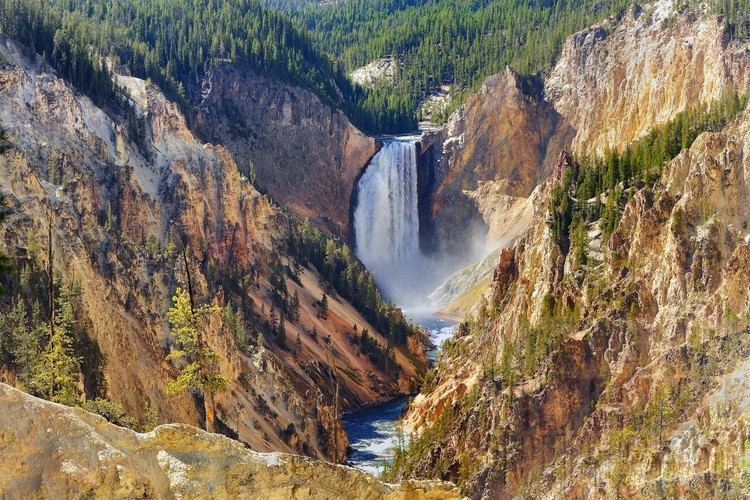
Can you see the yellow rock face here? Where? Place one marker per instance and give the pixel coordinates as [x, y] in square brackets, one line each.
[617, 80]
[53, 451]
[171, 186]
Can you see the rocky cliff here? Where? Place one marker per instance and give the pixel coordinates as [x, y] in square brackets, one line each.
[616, 80]
[599, 96]
[52, 451]
[486, 161]
[121, 196]
[625, 376]
[303, 153]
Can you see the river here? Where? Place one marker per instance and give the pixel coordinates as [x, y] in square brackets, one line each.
[372, 430]
[386, 227]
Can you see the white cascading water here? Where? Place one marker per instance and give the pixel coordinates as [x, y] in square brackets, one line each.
[386, 228]
[386, 219]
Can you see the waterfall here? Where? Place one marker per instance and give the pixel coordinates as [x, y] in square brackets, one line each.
[386, 219]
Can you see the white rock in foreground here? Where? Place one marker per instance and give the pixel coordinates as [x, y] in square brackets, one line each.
[53, 451]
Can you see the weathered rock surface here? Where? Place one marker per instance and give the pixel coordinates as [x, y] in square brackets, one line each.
[487, 160]
[369, 74]
[305, 154]
[611, 95]
[120, 202]
[637, 387]
[50, 451]
[646, 391]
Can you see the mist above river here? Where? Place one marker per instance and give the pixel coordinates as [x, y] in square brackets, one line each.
[386, 225]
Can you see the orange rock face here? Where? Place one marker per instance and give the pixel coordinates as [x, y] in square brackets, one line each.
[505, 136]
[303, 153]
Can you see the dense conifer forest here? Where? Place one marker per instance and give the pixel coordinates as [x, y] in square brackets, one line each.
[461, 42]
[314, 45]
[174, 43]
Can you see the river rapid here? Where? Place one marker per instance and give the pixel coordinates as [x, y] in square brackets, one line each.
[372, 430]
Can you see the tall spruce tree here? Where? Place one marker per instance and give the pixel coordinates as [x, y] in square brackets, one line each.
[198, 364]
[57, 375]
[4, 261]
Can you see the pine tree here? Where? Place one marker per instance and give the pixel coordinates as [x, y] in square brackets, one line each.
[297, 269]
[330, 261]
[8, 322]
[199, 371]
[579, 239]
[281, 331]
[4, 261]
[235, 324]
[294, 307]
[57, 374]
[26, 341]
[323, 307]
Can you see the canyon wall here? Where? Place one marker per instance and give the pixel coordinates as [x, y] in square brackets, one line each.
[625, 376]
[122, 201]
[486, 161]
[617, 80]
[305, 154]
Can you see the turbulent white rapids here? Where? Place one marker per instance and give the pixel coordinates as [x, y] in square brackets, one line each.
[386, 220]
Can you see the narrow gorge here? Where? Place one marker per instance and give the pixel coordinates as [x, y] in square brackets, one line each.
[401, 250]
[387, 240]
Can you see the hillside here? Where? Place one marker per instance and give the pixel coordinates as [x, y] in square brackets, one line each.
[180, 182]
[74, 35]
[121, 204]
[305, 154]
[612, 363]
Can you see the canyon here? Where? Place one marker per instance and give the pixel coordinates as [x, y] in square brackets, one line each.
[263, 122]
[120, 207]
[594, 364]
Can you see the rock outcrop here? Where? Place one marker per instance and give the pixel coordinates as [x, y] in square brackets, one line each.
[625, 376]
[615, 81]
[374, 72]
[646, 390]
[121, 199]
[303, 153]
[486, 161]
[49, 451]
